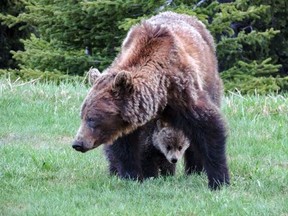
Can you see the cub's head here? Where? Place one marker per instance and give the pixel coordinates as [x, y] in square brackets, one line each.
[170, 141]
[101, 119]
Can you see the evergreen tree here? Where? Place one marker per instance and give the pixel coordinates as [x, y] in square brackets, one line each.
[245, 42]
[277, 19]
[74, 35]
[11, 33]
[70, 36]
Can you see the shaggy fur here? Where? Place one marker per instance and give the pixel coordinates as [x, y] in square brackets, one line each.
[167, 68]
[161, 147]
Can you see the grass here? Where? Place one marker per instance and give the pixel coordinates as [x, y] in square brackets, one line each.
[40, 174]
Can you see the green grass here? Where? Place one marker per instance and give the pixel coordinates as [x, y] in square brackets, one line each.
[40, 174]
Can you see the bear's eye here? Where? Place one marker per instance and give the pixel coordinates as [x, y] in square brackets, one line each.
[91, 123]
[169, 148]
[180, 148]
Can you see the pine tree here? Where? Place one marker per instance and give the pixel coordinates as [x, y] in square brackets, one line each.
[74, 35]
[277, 19]
[71, 36]
[10, 33]
[245, 40]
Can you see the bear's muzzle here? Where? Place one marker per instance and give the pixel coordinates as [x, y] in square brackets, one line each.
[79, 146]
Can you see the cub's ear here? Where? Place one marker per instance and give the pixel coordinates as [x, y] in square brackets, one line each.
[123, 82]
[93, 74]
[161, 124]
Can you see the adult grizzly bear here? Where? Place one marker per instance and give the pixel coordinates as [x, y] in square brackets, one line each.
[167, 68]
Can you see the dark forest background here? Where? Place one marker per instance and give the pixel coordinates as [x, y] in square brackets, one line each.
[60, 40]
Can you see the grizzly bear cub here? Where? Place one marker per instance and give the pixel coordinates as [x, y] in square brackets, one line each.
[162, 147]
[162, 150]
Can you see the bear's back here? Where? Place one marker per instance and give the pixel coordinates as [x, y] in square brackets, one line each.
[183, 23]
[196, 47]
[178, 44]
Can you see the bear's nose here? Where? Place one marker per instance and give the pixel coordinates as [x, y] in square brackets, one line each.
[78, 146]
[174, 160]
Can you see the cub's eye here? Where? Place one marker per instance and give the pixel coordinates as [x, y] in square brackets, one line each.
[169, 148]
[168, 137]
[180, 148]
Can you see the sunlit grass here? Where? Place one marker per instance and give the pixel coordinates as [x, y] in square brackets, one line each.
[40, 174]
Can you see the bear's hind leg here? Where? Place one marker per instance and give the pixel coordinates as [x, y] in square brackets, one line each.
[207, 130]
[210, 135]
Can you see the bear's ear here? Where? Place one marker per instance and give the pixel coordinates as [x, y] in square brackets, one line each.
[123, 82]
[93, 74]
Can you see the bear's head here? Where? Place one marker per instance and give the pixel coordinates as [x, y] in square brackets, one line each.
[101, 113]
[170, 141]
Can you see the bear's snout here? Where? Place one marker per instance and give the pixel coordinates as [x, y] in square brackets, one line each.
[79, 146]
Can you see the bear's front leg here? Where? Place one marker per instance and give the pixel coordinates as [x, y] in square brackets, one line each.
[113, 163]
[126, 151]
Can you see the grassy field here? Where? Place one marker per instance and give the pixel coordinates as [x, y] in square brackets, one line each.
[40, 174]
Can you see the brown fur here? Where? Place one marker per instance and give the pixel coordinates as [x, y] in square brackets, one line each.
[167, 68]
[154, 139]
[171, 142]
[163, 147]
